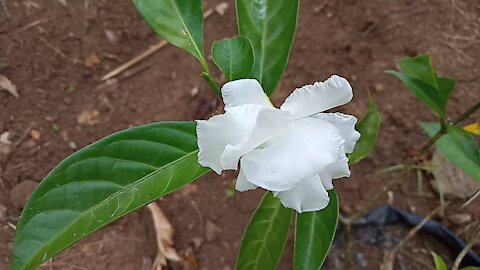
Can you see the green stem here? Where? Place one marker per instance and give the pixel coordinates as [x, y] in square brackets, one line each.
[207, 76]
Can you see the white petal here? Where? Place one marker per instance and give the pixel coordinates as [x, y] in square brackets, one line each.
[304, 150]
[220, 130]
[335, 170]
[345, 125]
[244, 91]
[319, 97]
[269, 123]
[242, 183]
[309, 195]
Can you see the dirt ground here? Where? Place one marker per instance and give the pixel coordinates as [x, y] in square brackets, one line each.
[56, 52]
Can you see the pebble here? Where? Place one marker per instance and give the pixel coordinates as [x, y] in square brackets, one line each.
[461, 218]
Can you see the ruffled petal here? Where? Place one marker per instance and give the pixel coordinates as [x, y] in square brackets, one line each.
[244, 91]
[319, 97]
[242, 183]
[338, 169]
[308, 195]
[269, 123]
[304, 150]
[217, 132]
[345, 125]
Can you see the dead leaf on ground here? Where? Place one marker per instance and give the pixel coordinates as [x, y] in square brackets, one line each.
[7, 85]
[190, 262]
[92, 60]
[164, 232]
[88, 117]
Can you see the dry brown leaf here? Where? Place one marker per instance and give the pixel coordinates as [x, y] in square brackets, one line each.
[6, 84]
[92, 60]
[164, 232]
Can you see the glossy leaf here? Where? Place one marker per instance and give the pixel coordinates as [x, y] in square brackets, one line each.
[368, 127]
[458, 147]
[178, 22]
[423, 91]
[314, 234]
[419, 67]
[439, 262]
[270, 26]
[101, 183]
[419, 76]
[265, 237]
[234, 56]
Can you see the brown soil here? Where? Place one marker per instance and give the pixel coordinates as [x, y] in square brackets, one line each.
[48, 50]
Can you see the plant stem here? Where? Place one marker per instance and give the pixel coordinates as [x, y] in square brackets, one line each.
[208, 77]
[466, 114]
[466, 249]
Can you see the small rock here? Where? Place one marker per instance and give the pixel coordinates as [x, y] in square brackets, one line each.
[111, 36]
[194, 91]
[4, 138]
[459, 219]
[88, 117]
[212, 231]
[72, 145]
[35, 134]
[92, 60]
[21, 192]
[221, 8]
[197, 242]
[378, 87]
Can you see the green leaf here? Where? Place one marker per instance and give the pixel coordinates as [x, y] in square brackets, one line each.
[458, 147]
[314, 235]
[101, 183]
[465, 142]
[270, 26]
[419, 67]
[368, 127]
[423, 91]
[177, 21]
[234, 56]
[419, 76]
[265, 237]
[439, 262]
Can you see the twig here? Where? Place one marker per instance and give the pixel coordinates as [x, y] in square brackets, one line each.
[12, 226]
[389, 257]
[33, 24]
[466, 249]
[415, 259]
[137, 59]
[471, 200]
[4, 6]
[199, 213]
[466, 114]
[24, 135]
[53, 48]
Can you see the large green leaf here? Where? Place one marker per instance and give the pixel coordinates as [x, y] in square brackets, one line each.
[234, 56]
[177, 21]
[439, 262]
[265, 237]
[101, 183]
[314, 235]
[270, 25]
[368, 127]
[458, 147]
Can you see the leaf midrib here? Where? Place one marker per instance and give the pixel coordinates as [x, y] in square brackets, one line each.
[269, 229]
[175, 6]
[103, 201]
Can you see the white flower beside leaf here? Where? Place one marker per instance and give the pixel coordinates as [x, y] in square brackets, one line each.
[295, 151]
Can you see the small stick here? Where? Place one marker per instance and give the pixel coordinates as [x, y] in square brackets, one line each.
[389, 257]
[137, 59]
[471, 200]
[51, 47]
[33, 24]
[466, 249]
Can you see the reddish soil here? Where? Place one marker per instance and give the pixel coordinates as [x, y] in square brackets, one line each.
[48, 50]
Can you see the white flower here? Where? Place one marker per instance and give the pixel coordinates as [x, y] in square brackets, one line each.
[294, 151]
